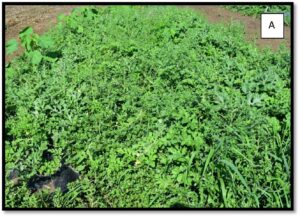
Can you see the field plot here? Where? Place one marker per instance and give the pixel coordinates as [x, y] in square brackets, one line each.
[148, 107]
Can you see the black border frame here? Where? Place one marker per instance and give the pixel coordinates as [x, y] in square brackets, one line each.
[283, 27]
[291, 4]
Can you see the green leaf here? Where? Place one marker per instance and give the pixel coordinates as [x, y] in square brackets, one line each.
[223, 191]
[26, 38]
[35, 57]
[26, 31]
[80, 29]
[11, 46]
[210, 154]
[80, 167]
[45, 42]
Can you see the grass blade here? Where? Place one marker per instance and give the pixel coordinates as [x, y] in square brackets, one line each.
[232, 167]
[210, 154]
[223, 192]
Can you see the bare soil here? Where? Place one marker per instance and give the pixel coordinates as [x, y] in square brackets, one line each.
[41, 18]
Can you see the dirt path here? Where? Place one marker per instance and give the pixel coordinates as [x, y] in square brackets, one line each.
[41, 18]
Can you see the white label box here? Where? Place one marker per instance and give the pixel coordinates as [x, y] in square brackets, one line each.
[272, 25]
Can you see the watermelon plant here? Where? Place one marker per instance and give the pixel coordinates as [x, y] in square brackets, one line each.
[257, 10]
[153, 107]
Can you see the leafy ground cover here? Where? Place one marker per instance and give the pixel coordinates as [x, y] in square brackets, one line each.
[153, 107]
[257, 10]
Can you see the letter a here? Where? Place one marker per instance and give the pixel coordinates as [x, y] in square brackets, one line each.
[271, 25]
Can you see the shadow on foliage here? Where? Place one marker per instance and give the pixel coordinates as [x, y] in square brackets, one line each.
[55, 54]
[179, 206]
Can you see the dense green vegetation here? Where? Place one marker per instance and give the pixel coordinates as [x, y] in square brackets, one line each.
[154, 107]
[256, 10]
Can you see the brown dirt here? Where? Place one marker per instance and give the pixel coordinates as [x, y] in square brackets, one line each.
[41, 18]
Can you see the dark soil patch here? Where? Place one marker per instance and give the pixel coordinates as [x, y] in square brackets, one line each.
[60, 180]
